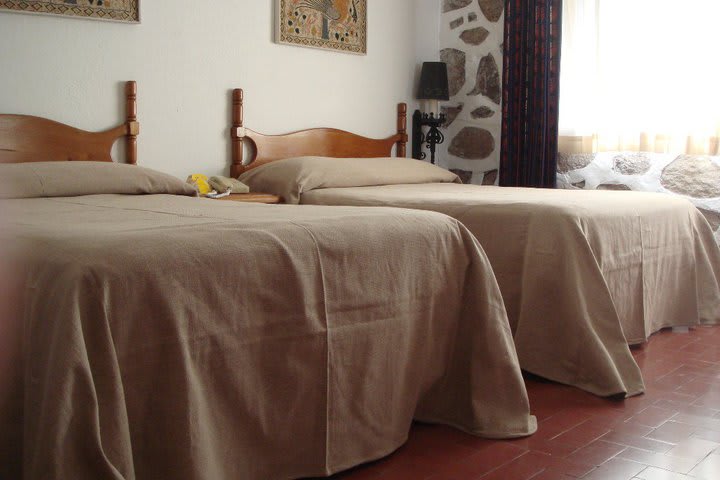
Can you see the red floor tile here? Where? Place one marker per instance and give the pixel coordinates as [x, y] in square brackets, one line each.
[642, 443]
[624, 426]
[596, 453]
[698, 388]
[671, 432]
[552, 474]
[560, 423]
[708, 468]
[615, 469]
[659, 460]
[551, 448]
[694, 449]
[653, 473]
[709, 400]
[705, 434]
[522, 468]
[581, 435]
[699, 421]
[570, 468]
[652, 416]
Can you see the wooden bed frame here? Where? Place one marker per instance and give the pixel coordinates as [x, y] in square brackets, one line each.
[321, 142]
[24, 138]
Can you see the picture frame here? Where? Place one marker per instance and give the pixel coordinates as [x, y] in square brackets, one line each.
[127, 11]
[339, 25]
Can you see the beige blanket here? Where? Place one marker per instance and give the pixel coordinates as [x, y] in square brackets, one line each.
[583, 273]
[168, 337]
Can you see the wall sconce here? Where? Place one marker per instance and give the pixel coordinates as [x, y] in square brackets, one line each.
[433, 87]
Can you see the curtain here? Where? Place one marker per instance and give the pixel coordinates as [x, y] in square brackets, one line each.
[531, 69]
[640, 75]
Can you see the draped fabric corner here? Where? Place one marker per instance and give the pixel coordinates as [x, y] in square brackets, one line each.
[531, 76]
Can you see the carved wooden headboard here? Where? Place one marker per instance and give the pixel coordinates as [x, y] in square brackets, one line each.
[24, 138]
[321, 142]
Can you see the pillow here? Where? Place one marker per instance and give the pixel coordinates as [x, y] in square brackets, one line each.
[291, 177]
[69, 179]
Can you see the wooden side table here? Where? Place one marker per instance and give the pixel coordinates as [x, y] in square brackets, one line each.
[253, 197]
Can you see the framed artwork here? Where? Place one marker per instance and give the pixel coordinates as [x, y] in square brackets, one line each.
[117, 10]
[327, 24]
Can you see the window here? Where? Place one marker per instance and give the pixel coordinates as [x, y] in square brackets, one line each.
[640, 75]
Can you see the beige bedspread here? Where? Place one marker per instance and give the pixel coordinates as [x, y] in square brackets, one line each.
[168, 337]
[583, 274]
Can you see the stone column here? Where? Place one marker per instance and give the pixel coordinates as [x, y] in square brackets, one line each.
[471, 37]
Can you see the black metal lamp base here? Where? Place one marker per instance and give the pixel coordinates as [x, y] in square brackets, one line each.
[433, 137]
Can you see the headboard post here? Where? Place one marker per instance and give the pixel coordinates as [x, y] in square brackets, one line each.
[133, 127]
[235, 133]
[401, 130]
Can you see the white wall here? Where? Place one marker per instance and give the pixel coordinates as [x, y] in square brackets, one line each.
[187, 57]
[427, 34]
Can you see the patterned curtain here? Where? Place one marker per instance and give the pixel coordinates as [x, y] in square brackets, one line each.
[531, 75]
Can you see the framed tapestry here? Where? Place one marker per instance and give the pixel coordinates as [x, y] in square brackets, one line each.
[118, 10]
[327, 24]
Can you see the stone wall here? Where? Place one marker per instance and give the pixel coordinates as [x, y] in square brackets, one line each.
[471, 37]
[695, 177]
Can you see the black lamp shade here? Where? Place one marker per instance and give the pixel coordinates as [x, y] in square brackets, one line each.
[434, 82]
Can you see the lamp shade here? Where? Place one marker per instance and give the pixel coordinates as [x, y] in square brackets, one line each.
[434, 82]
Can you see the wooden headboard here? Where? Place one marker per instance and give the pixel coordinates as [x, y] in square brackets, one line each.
[24, 138]
[321, 142]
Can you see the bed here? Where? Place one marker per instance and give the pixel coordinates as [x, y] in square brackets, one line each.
[583, 274]
[148, 333]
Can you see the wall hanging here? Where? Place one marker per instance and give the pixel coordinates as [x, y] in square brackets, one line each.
[117, 10]
[328, 24]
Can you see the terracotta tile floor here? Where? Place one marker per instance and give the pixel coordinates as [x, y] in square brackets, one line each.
[670, 432]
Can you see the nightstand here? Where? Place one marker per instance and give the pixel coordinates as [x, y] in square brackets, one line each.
[253, 198]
